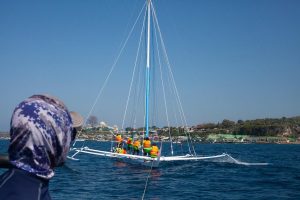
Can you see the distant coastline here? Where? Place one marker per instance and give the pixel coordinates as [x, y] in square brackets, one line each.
[212, 138]
[4, 136]
[269, 130]
[260, 131]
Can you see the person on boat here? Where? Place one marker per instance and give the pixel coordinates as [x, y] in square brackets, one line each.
[154, 151]
[136, 147]
[119, 140]
[129, 144]
[120, 150]
[146, 146]
[117, 150]
[41, 131]
[123, 151]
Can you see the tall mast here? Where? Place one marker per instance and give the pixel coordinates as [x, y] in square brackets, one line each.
[148, 72]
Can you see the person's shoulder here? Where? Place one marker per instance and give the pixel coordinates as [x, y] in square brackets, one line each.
[12, 184]
[4, 176]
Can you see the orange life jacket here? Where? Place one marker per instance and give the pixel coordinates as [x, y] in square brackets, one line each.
[120, 150]
[154, 151]
[147, 143]
[137, 144]
[118, 138]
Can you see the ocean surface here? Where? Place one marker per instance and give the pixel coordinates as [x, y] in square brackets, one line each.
[94, 177]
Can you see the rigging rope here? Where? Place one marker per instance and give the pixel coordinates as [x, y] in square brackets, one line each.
[146, 184]
[111, 70]
[172, 76]
[133, 73]
[163, 88]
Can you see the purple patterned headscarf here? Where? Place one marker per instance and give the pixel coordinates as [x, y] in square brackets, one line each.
[41, 129]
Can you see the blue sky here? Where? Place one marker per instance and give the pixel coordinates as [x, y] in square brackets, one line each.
[231, 59]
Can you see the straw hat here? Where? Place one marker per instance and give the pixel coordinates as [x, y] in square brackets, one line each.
[77, 119]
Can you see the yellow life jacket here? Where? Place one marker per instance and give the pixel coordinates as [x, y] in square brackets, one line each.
[118, 138]
[154, 151]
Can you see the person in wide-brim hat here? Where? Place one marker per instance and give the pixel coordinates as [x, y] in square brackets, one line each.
[41, 132]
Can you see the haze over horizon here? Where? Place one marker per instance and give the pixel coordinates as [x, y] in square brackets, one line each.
[231, 59]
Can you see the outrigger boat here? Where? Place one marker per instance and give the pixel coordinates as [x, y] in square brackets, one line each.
[150, 19]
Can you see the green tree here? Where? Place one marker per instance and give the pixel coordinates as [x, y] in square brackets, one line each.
[227, 123]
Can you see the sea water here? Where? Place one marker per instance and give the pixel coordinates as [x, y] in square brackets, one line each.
[93, 177]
